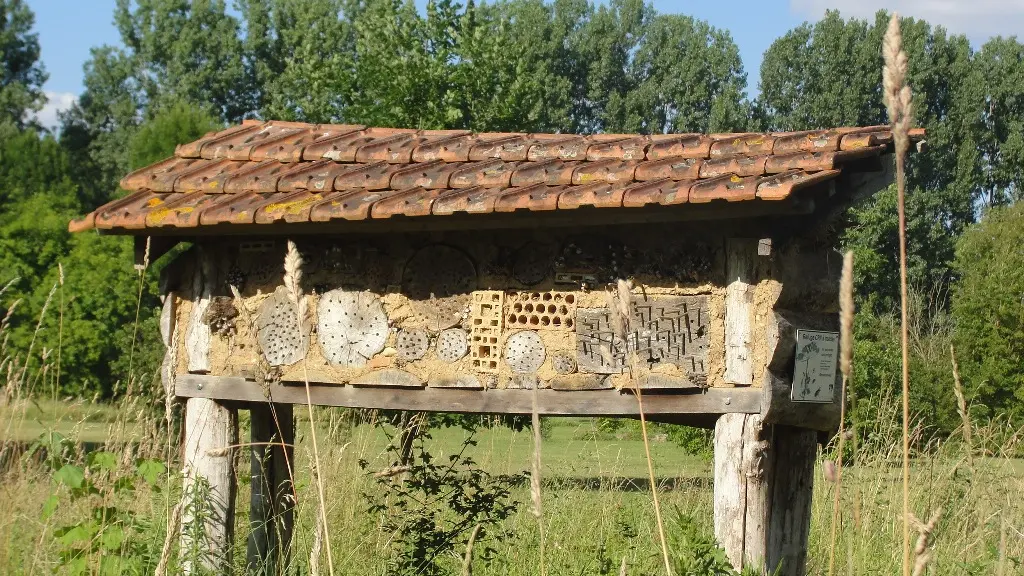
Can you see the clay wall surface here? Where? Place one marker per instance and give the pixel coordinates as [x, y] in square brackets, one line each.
[474, 310]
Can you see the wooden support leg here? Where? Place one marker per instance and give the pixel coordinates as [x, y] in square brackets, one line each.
[410, 424]
[763, 486]
[271, 500]
[208, 508]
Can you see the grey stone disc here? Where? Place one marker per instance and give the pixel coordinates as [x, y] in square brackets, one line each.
[351, 326]
[277, 330]
[412, 344]
[563, 363]
[524, 352]
[452, 344]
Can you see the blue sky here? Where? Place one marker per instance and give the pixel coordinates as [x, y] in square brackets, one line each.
[69, 28]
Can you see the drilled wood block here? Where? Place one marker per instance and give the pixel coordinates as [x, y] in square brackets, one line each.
[533, 263]
[598, 349]
[412, 344]
[281, 336]
[524, 352]
[671, 330]
[351, 327]
[563, 362]
[452, 344]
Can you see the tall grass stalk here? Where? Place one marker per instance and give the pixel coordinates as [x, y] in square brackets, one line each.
[535, 461]
[961, 406]
[897, 97]
[293, 284]
[846, 311]
[141, 269]
[620, 308]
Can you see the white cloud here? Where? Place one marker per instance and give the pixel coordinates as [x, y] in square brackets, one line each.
[55, 102]
[978, 19]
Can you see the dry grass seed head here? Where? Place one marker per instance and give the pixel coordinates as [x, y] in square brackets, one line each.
[846, 311]
[895, 93]
[293, 280]
[922, 550]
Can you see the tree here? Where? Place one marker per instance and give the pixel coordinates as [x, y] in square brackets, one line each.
[827, 74]
[21, 74]
[687, 77]
[174, 51]
[101, 287]
[185, 50]
[177, 123]
[988, 307]
[298, 58]
[1001, 63]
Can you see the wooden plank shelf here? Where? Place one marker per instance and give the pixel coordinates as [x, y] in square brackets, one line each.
[549, 402]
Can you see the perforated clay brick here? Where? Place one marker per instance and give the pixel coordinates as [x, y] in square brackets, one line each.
[485, 330]
[540, 310]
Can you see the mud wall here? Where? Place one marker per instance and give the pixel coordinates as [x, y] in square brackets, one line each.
[501, 309]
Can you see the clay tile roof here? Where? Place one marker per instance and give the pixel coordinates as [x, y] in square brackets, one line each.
[271, 172]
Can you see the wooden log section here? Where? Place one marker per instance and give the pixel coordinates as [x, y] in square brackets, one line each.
[208, 494]
[741, 270]
[550, 402]
[271, 501]
[763, 486]
[197, 338]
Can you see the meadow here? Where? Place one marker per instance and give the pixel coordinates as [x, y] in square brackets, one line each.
[597, 513]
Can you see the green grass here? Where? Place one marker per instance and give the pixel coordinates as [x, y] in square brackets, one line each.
[90, 422]
[597, 504]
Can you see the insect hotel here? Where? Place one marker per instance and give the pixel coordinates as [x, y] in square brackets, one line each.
[478, 273]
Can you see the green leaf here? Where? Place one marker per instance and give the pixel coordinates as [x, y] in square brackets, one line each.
[102, 460]
[50, 506]
[71, 476]
[75, 534]
[112, 538]
[151, 471]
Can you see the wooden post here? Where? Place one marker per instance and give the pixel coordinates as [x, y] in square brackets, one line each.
[763, 486]
[208, 506]
[271, 501]
[741, 270]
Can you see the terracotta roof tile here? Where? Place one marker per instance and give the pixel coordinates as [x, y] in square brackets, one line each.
[265, 172]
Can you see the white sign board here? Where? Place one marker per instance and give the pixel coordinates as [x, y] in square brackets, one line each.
[814, 373]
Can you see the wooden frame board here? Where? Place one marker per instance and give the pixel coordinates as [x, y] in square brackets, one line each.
[549, 402]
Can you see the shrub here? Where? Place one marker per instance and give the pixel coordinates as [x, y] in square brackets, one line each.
[988, 307]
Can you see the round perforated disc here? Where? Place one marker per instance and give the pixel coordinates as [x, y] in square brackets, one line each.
[438, 281]
[524, 352]
[452, 344]
[563, 363]
[351, 326]
[533, 263]
[278, 332]
[412, 344]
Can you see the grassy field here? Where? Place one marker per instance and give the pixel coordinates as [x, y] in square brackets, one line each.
[596, 501]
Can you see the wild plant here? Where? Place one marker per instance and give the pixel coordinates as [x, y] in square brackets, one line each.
[432, 508]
